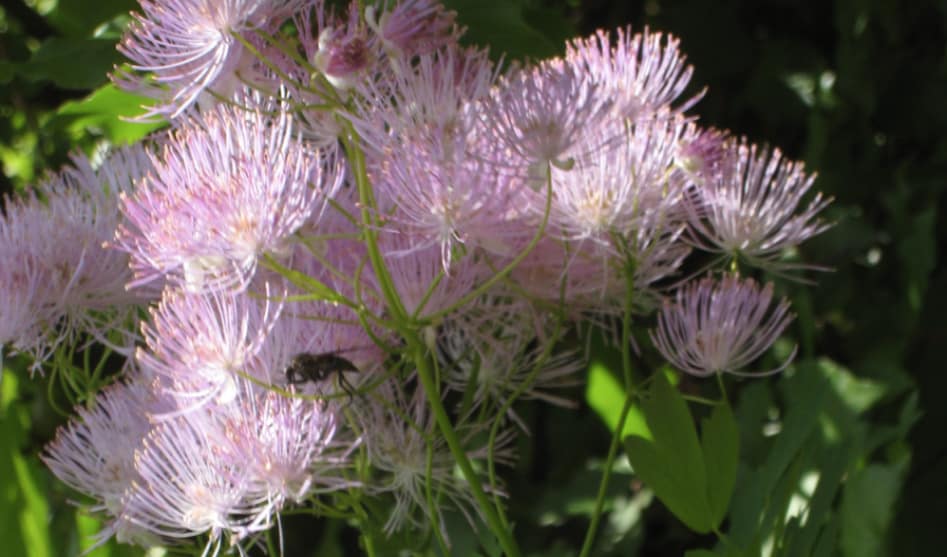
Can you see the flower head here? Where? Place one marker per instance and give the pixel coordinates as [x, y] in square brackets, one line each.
[58, 278]
[95, 453]
[291, 448]
[190, 47]
[343, 51]
[643, 72]
[750, 210]
[539, 115]
[413, 27]
[200, 345]
[715, 327]
[228, 187]
[188, 484]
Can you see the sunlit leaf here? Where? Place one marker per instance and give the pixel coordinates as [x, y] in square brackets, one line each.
[720, 440]
[108, 110]
[606, 395]
[671, 463]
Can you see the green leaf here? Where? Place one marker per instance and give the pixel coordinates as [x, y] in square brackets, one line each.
[671, 463]
[23, 508]
[502, 25]
[80, 18]
[858, 394]
[720, 443]
[108, 110]
[868, 502]
[606, 395]
[72, 63]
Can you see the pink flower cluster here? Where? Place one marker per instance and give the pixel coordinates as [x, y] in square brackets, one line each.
[501, 204]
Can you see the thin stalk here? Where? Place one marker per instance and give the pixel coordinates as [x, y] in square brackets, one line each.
[418, 352]
[619, 429]
[606, 475]
[432, 507]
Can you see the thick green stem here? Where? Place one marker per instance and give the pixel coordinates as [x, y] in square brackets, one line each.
[370, 223]
[418, 352]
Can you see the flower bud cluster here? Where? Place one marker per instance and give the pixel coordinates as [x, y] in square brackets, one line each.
[331, 180]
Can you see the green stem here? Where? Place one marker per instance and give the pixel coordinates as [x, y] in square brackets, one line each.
[369, 543]
[619, 429]
[369, 222]
[606, 476]
[418, 352]
[432, 506]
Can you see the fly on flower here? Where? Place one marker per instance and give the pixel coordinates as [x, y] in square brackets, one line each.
[306, 366]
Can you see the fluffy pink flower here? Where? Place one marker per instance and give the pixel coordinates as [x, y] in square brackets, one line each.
[715, 327]
[630, 185]
[434, 100]
[413, 27]
[58, 278]
[751, 210]
[95, 454]
[291, 449]
[188, 484]
[642, 72]
[200, 344]
[189, 47]
[442, 196]
[228, 187]
[540, 114]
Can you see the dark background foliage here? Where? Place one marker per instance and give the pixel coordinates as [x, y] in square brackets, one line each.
[856, 88]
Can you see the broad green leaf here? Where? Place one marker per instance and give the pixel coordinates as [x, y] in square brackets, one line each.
[680, 493]
[606, 395]
[831, 464]
[671, 424]
[868, 503]
[671, 463]
[760, 499]
[720, 441]
[108, 109]
[72, 63]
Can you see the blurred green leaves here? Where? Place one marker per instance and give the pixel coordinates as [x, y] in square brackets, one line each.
[23, 502]
[71, 63]
[513, 28]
